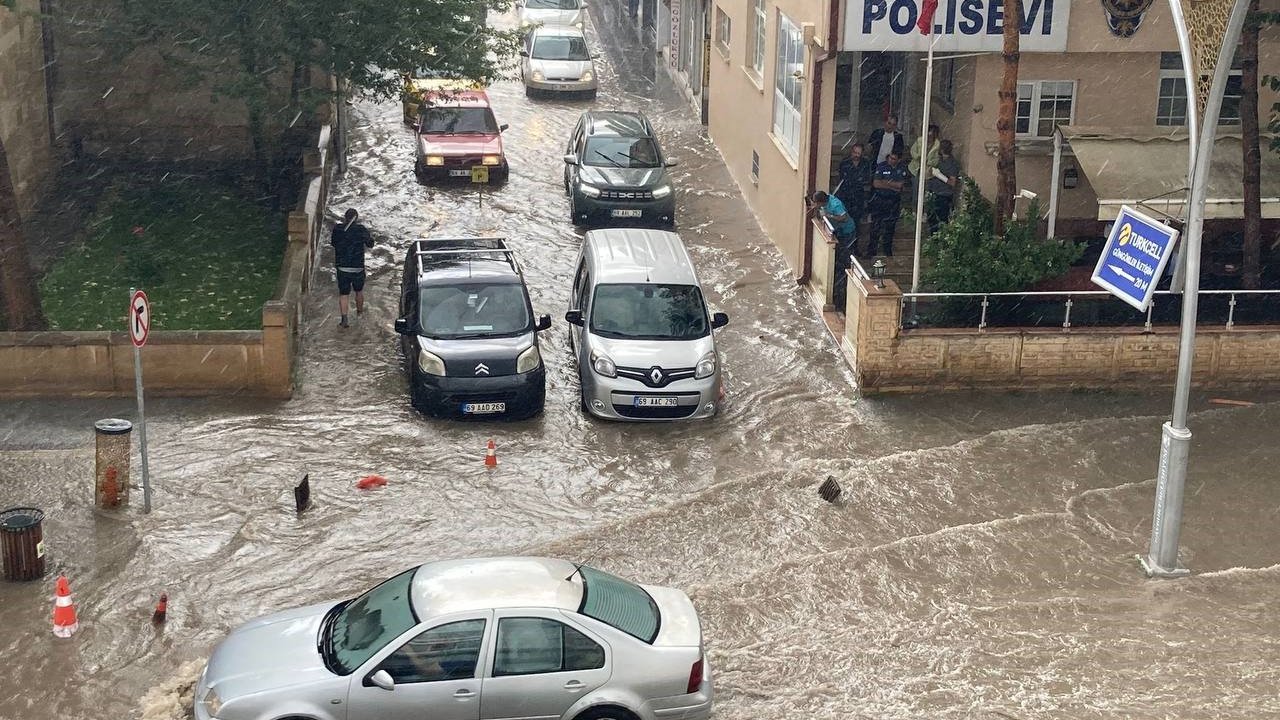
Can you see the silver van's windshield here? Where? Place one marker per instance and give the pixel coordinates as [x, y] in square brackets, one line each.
[643, 311]
[451, 312]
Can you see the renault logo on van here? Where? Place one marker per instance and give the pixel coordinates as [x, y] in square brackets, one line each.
[655, 375]
[482, 369]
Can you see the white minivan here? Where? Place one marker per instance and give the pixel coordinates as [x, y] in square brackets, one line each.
[640, 329]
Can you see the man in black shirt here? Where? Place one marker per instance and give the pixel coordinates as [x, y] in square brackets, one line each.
[349, 240]
[855, 180]
[942, 186]
[887, 182]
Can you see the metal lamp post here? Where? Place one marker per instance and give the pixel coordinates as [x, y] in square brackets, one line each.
[1194, 21]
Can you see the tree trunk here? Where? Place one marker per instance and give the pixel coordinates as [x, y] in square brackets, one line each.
[1252, 156]
[17, 280]
[1006, 173]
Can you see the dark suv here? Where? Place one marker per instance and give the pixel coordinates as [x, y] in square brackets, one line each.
[614, 170]
[468, 332]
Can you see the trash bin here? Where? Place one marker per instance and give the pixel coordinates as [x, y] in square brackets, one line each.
[22, 543]
[111, 462]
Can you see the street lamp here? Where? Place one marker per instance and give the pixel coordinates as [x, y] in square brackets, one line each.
[877, 272]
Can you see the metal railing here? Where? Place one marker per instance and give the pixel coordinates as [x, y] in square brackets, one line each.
[956, 314]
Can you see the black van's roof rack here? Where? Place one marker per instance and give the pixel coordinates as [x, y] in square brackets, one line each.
[499, 248]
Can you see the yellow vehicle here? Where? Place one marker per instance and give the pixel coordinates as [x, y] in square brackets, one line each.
[419, 83]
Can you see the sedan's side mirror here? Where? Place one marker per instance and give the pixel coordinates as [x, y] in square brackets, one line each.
[524, 53]
[403, 326]
[503, 127]
[719, 320]
[381, 679]
[570, 159]
[574, 317]
[544, 322]
[671, 163]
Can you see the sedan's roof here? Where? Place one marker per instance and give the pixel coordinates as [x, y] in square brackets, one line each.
[451, 586]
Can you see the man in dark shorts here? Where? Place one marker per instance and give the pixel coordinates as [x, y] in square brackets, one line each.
[349, 240]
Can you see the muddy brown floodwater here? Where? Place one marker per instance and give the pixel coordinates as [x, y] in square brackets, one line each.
[980, 565]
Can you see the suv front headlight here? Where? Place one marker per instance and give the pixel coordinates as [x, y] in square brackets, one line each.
[589, 190]
[212, 703]
[430, 364]
[662, 191]
[603, 364]
[706, 366]
[587, 76]
[529, 360]
[538, 76]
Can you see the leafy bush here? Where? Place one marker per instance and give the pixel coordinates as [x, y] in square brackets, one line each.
[966, 256]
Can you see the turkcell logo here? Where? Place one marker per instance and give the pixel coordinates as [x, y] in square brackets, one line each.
[958, 25]
[1134, 257]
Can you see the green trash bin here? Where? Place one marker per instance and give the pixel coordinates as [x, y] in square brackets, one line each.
[22, 543]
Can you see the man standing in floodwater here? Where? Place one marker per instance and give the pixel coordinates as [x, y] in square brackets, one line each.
[349, 240]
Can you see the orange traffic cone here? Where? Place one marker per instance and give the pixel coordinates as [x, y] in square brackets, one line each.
[64, 612]
[491, 455]
[162, 608]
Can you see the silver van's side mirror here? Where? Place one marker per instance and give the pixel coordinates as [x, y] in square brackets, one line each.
[574, 317]
[570, 159]
[544, 322]
[382, 679]
[719, 320]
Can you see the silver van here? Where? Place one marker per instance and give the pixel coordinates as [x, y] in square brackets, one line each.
[640, 329]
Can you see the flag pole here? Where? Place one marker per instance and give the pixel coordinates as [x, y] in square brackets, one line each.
[924, 164]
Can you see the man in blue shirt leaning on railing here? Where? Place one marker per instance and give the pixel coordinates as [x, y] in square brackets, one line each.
[845, 230]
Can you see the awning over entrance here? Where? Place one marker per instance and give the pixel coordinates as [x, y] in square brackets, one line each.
[1147, 167]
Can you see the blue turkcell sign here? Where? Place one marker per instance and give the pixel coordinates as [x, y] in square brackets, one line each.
[1134, 257]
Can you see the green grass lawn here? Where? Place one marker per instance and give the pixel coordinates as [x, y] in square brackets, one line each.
[207, 257]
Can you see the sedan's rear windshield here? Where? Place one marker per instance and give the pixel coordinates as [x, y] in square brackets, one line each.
[366, 624]
[621, 604]
[473, 310]
[458, 121]
[644, 311]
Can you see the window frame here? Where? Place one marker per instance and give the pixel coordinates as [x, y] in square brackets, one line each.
[788, 90]
[723, 32]
[1034, 99]
[756, 50]
[1171, 69]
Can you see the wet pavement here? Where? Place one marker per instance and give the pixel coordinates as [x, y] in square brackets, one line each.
[980, 565]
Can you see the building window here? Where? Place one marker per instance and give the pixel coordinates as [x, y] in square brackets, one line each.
[757, 26]
[1171, 105]
[946, 91]
[1044, 105]
[722, 31]
[788, 76]
[755, 168]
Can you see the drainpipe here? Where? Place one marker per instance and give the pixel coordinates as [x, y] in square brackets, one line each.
[815, 108]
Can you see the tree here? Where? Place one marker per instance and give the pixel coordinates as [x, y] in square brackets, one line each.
[1006, 170]
[256, 48]
[1252, 174]
[17, 281]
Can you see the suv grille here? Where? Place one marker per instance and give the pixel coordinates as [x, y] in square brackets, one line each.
[626, 195]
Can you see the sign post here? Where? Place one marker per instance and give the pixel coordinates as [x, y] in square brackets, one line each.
[1134, 257]
[480, 177]
[139, 327]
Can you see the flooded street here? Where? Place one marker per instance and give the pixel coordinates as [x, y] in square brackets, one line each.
[980, 565]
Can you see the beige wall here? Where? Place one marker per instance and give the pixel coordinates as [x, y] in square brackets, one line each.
[24, 120]
[741, 120]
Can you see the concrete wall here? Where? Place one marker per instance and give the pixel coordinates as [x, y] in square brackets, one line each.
[24, 117]
[185, 363]
[887, 359]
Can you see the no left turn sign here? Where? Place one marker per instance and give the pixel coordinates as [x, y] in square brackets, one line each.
[139, 318]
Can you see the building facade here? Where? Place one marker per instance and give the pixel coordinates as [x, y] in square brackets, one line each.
[791, 83]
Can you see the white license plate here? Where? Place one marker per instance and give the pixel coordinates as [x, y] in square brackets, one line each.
[483, 408]
[624, 213]
[460, 173]
[656, 402]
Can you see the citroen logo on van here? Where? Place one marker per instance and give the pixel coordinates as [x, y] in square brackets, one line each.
[482, 369]
[655, 375]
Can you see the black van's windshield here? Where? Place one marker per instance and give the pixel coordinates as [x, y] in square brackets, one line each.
[644, 311]
[473, 310]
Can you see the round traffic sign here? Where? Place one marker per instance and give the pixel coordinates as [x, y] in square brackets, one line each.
[139, 318]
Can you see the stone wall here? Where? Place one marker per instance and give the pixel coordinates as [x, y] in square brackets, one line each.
[24, 113]
[886, 358]
[185, 363]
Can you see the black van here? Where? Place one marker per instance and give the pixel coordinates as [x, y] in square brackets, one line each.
[468, 332]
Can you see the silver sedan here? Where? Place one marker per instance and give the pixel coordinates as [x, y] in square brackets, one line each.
[557, 59]
[479, 639]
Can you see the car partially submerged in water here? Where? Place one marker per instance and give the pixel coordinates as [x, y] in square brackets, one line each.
[457, 134]
[477, 639]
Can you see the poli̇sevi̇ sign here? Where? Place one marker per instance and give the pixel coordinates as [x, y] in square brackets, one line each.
[962, 26]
